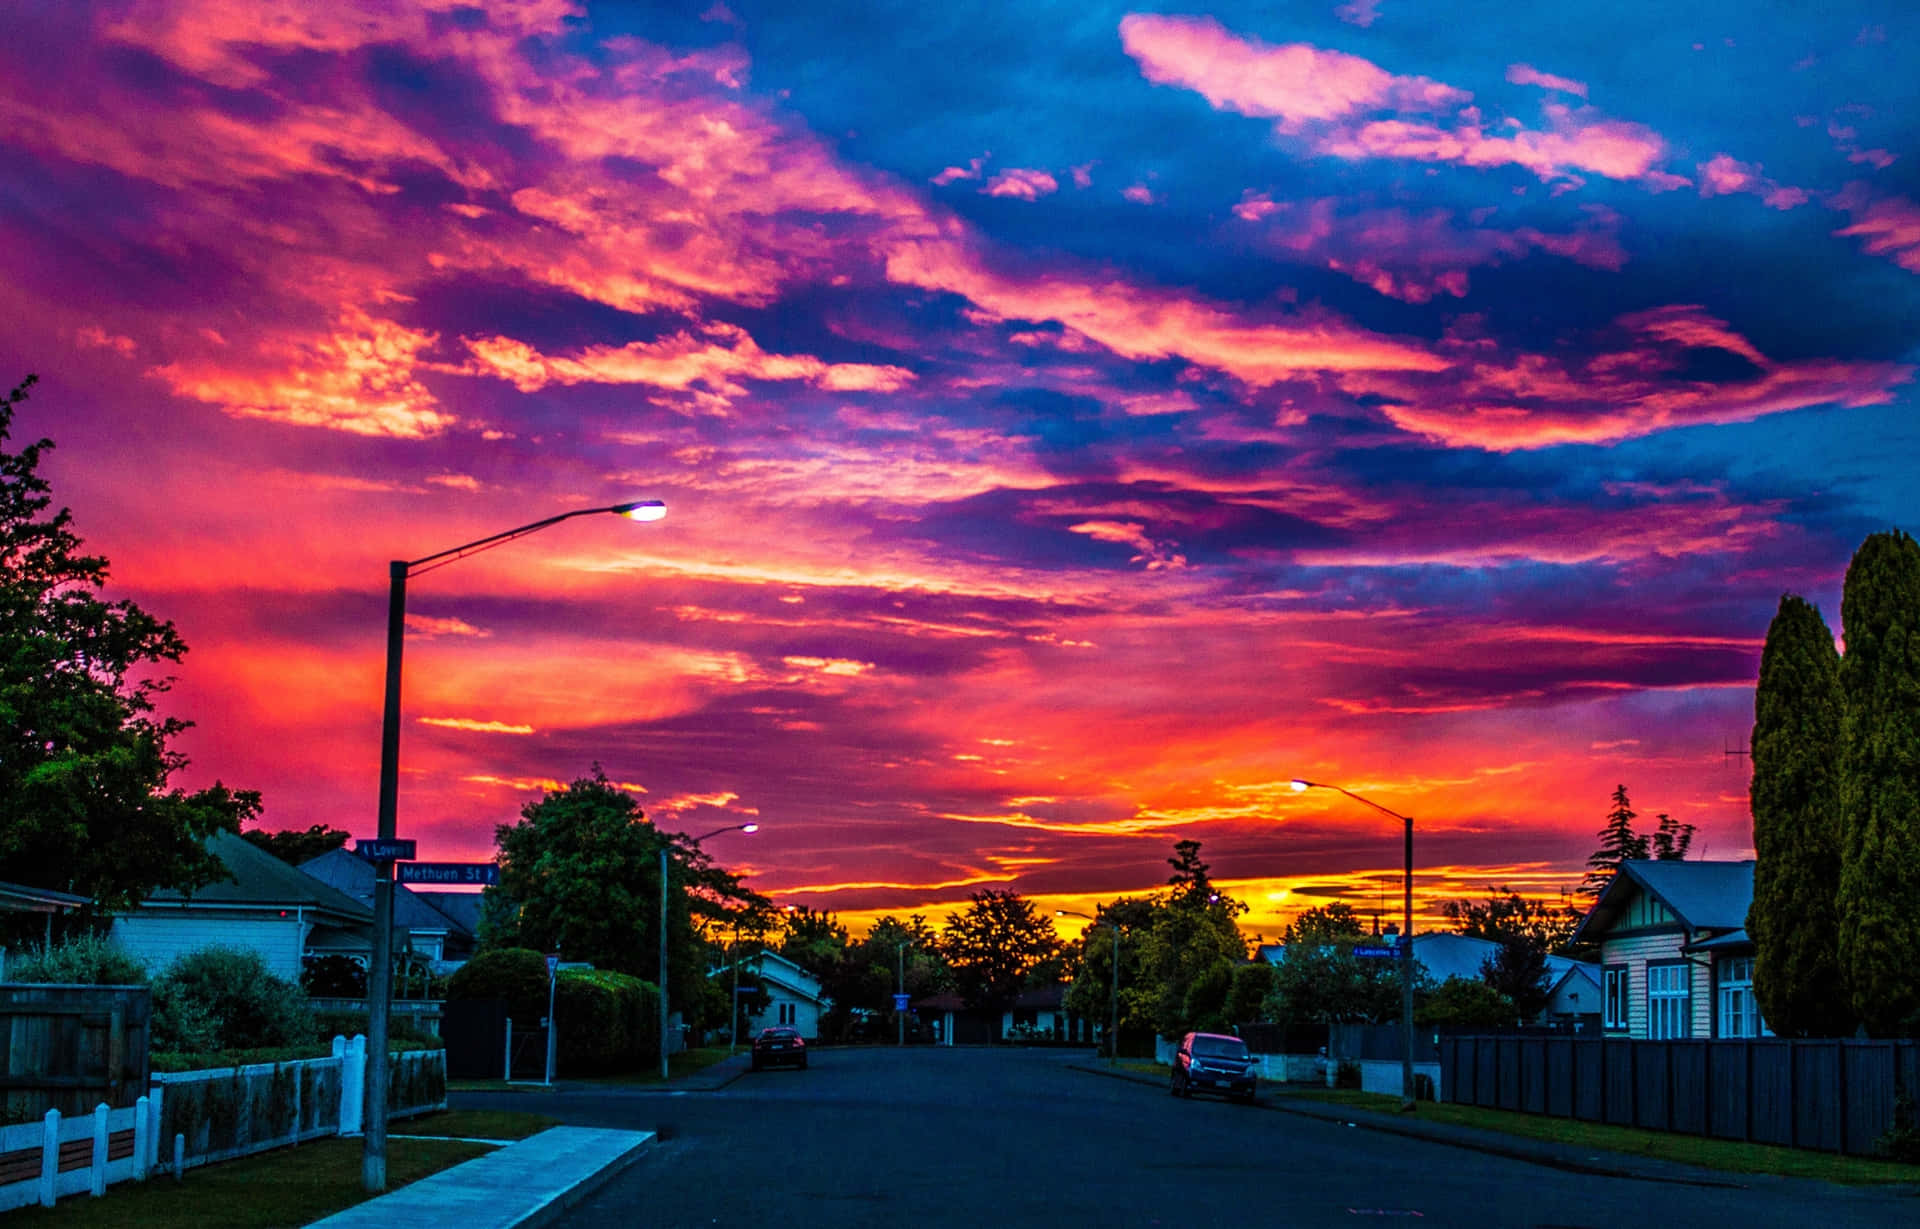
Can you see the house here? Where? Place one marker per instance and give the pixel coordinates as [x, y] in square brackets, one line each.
[18, 898]
[955, 1023]
[1675, 957]
[264, 905]
[1040, 1013]
[418, 926]
[463, 909]
[1573, 986]
[795, 993]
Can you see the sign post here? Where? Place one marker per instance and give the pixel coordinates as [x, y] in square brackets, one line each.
[553, 978]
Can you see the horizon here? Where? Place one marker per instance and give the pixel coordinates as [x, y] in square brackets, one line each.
[1073, 425]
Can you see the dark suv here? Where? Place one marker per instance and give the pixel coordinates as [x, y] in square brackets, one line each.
[1212, 1062]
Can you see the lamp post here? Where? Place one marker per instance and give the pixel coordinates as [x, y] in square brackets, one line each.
[733, 1010]
[1406, 940]
[373, 1164]
[1113, 997]
[664, 846]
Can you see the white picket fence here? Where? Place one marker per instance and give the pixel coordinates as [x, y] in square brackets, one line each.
[42, 1161]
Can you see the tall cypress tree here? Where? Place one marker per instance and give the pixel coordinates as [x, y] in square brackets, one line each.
[1796, 828]
[1618, 843]
[1880, 793]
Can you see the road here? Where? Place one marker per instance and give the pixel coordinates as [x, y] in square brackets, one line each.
[993, 1138]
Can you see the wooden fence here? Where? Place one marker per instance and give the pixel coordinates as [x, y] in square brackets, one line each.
[1830, 1095]
[71, 1048]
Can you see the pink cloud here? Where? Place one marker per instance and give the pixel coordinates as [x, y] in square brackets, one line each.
[954, 174]
[1891, 228]
[1022, 183]
[1723, 175]
[1294, 83]
[1139, 194]
[1527, 74]
[1362, 13]
[1254, 206]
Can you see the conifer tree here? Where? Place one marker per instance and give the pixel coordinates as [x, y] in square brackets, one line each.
[1795, 802]
[1618, 843]
[1880, 799]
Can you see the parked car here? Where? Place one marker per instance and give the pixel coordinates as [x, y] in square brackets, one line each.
[1213, 1062]
[778, 1045]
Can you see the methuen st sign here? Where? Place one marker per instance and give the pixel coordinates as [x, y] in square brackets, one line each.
[459, 873]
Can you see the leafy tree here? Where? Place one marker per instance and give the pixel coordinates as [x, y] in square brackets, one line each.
[1671, 839]
[1189, 879]
[1517, 971]
[1465, 1004]
[1795, 800]
[580, 875]
[1618, 843]
[1252, 983]
[1324, 924]
[1205, 1005]
[84, 757]
[1325, 983]
[1505, 914]
[1880, 791]
[294, 847]
[994, 945]
[1191, 938]
[1091, 994]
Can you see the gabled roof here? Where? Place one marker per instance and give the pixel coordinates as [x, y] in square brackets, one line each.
[353, 875]
[1703, 895]
[19, 898]
[784, 973]
[259, 878]
[460, 908]
[1560, 971]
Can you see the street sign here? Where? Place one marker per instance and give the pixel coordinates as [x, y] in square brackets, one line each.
[553, 964]
[450, 872]
[384, 850]
[1369, 952]
[900, 1002]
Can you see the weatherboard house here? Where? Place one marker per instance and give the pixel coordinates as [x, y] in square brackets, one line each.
[1675, 957]
[419, 925]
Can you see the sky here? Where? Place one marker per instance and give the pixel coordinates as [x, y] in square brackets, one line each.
[1075, 421]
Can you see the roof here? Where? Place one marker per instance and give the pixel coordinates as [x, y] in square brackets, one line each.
[460, 908]
[1560, 971]
[1732, 940]
[259, 878]
[1447, 954]
[1703, 895]
[19, 898]
[1041, 998]
[354, 875]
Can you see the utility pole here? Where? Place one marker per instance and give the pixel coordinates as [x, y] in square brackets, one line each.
[900, 1016]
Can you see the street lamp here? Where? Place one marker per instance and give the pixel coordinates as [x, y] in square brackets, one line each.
[664, 845]
[373, 1163]
[1406, 941]
[1113, 999]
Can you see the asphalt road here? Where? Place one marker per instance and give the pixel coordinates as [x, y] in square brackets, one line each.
[993, 1138]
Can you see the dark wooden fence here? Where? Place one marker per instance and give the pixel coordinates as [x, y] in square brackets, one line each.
[71, 1048]
[1835, 1096]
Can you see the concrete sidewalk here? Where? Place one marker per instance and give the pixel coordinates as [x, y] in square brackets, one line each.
[521, 1186]
[1570, 1157]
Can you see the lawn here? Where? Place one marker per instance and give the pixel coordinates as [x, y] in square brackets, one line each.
[283, 1188]
[1727, 1155]
[682, 1064]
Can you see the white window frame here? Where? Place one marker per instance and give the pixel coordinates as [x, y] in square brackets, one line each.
[1613, 999]
[1669, 1001]
[1739, 1009]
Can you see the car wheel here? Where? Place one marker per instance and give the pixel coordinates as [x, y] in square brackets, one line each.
[803, 1064]
[756, 1064]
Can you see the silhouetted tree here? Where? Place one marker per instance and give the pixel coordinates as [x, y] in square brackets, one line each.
[294, 847]
[1618, 843]
[994, 944]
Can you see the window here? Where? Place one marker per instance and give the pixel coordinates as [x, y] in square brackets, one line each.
[1614, 1010]
[1669, 1001]
[1739, 1010]
[786, 1013]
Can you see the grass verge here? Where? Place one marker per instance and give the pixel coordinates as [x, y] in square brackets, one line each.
[287, 1187]
[1726, 1155]
[687, 1062]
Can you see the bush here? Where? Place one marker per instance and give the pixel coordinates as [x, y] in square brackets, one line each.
[608, 1021]
[1347, 1074]
[515, 974]
[331, 1024]
[333, 977]
[86, 960]
[248, 1007]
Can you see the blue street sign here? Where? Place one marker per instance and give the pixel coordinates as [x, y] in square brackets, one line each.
[900, 1002]
[449, 872]
[1367, 952]
[384, 851]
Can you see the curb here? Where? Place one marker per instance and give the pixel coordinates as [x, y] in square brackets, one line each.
[553, 1209]
[1370, 1121]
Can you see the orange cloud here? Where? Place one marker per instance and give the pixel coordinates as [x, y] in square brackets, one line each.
[1891, 228]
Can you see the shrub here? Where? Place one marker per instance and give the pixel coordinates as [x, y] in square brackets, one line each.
[333, 977]
[608, 1021]
[248, 1006]
[1347, 1075]
[331, 1024]
[515, 974]
[86, 960]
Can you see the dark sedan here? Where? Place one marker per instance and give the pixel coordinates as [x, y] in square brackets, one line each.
[775, 1046]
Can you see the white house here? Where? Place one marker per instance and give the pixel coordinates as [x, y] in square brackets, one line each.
[795, 994]
[1042, 1010]
[1675, 957]
[419, 926]
[265, 905]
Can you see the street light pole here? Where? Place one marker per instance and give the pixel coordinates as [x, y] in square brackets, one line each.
[664, 883]
[733, 1018]
[1406, 940]
[1113, 994]
[373, 1158]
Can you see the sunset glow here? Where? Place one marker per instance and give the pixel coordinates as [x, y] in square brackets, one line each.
[1077, 425]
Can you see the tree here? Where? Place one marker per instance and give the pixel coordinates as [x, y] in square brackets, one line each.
[1252, 983]
[1517, 971]
[1795, 802]
[1189, 878]
[1618, 843]
[1880, 790]
[580, 875]
[1465, 1004]
[1323, 924]
[994, 944]
[1091, 994]
[1505, 914]
[1325, 983]
[84, 756]
[1671, 839]
[294, 847]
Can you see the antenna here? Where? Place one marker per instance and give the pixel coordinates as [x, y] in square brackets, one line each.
[1731, 752]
